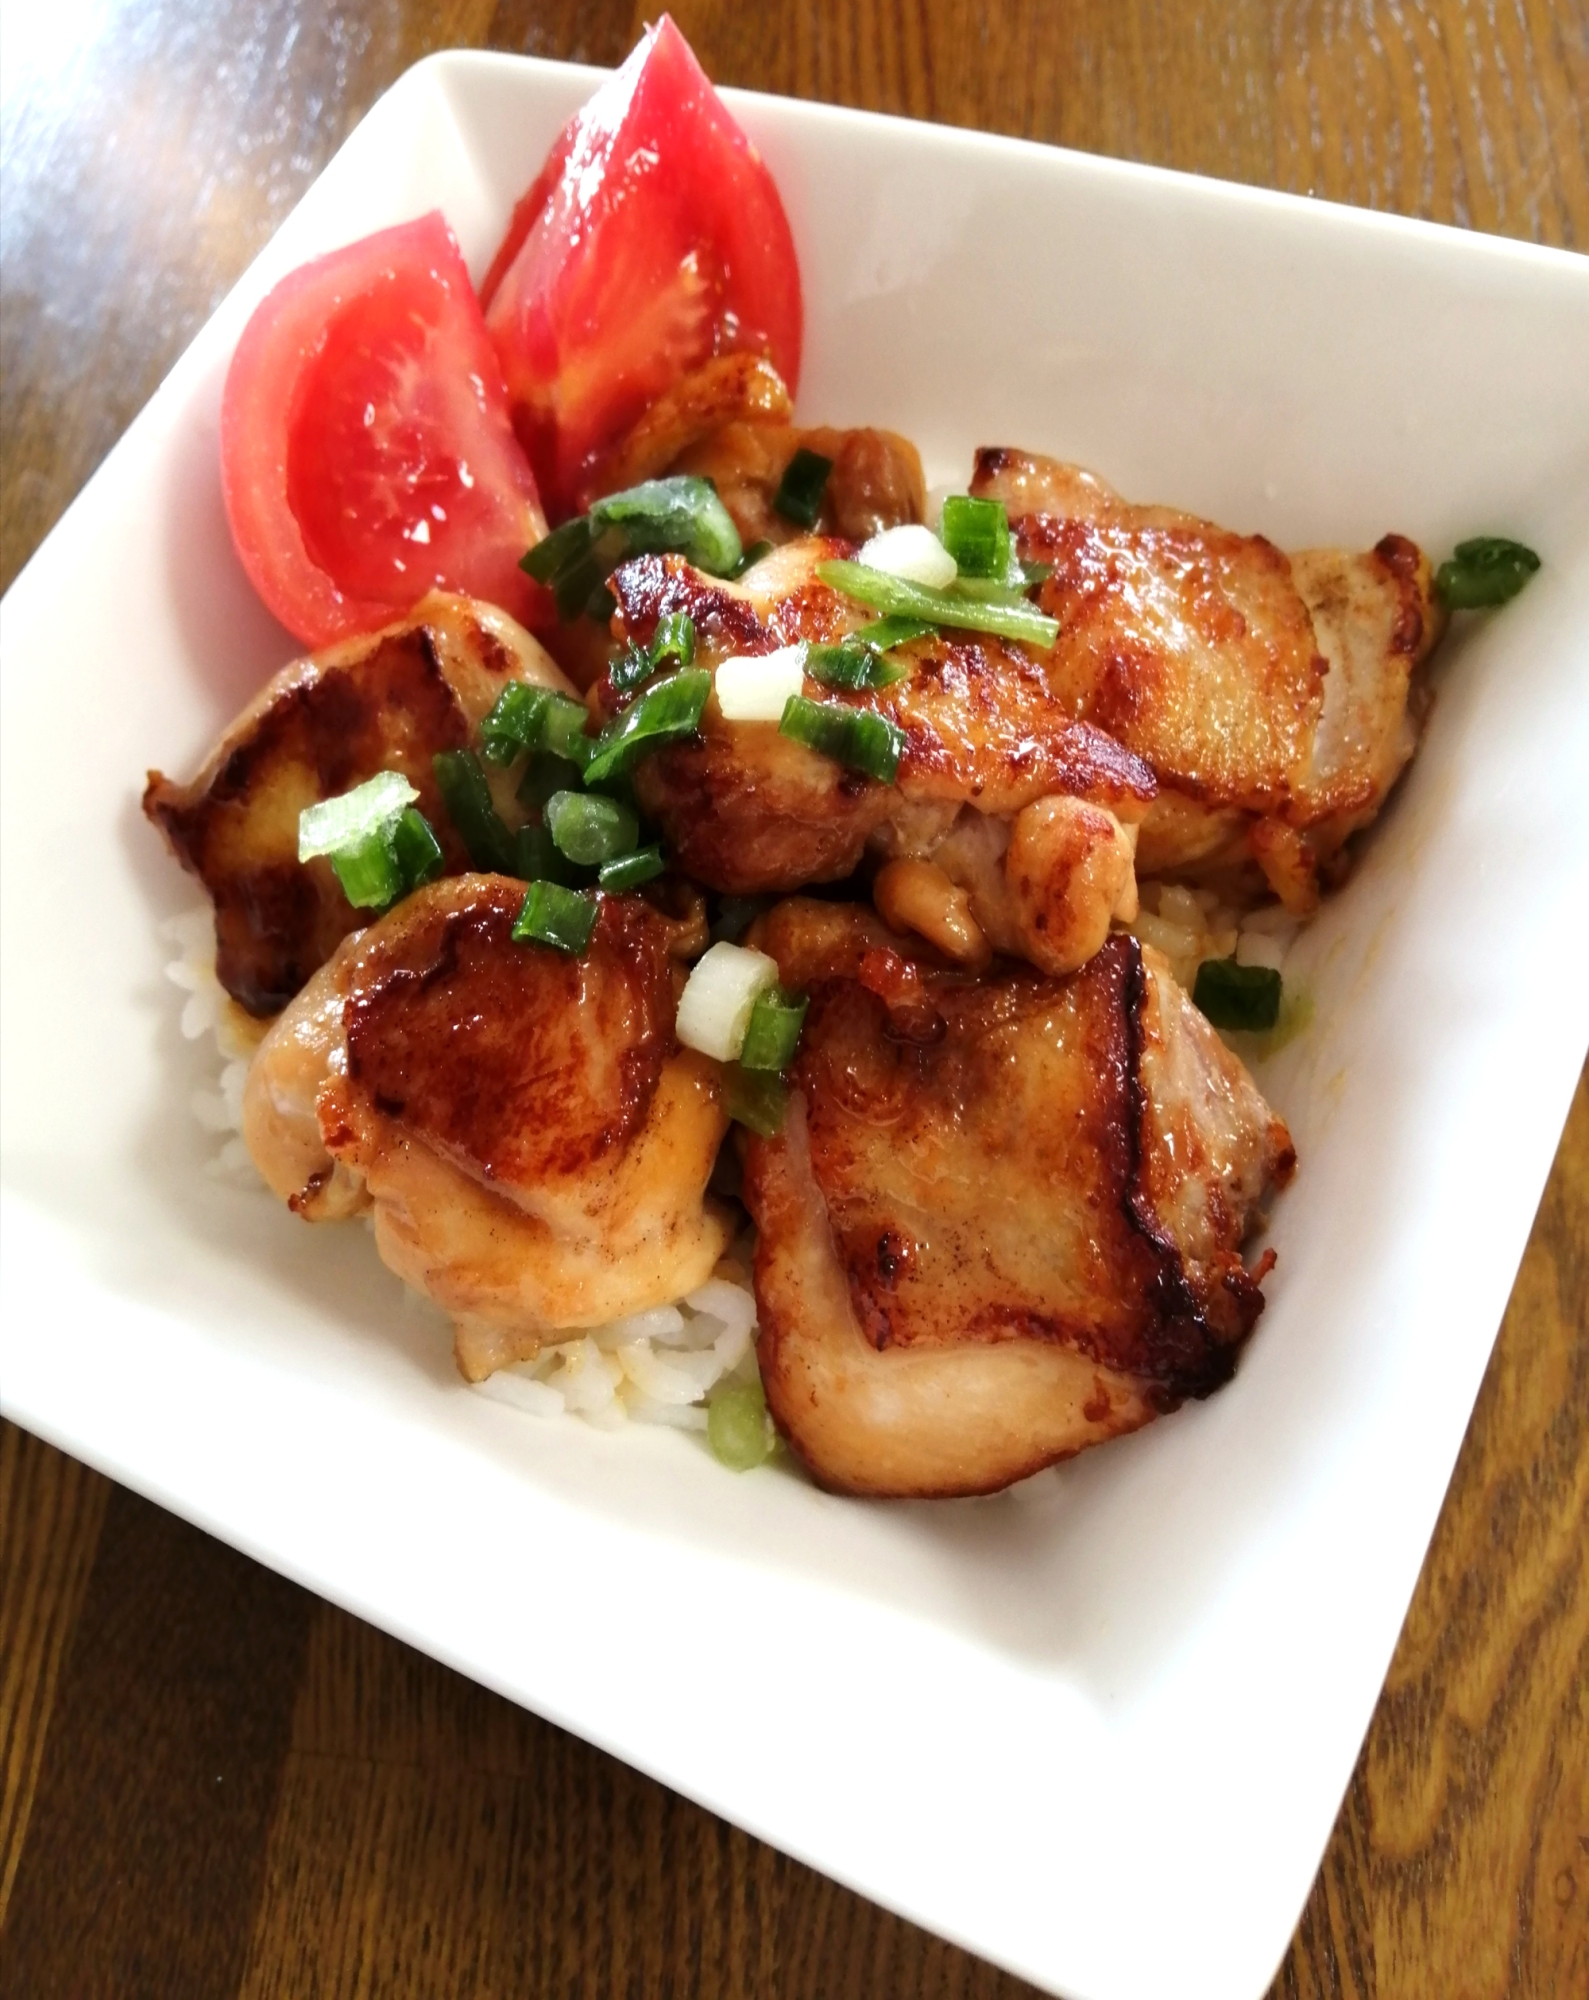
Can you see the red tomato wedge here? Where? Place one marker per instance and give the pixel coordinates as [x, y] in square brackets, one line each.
[367, 455]
[652, 239]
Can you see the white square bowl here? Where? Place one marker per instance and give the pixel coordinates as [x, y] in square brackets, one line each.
[1096, 1728]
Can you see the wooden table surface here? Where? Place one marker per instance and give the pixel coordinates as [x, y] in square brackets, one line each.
[213, 1784]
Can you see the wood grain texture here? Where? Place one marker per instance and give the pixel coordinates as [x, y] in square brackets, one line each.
[382, 1826]
[50, 1513]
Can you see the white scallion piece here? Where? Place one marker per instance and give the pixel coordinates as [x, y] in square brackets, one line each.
[714, 1008]
[912, 552]
[755, 687]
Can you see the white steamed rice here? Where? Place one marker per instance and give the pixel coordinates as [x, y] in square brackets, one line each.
[656, 1367]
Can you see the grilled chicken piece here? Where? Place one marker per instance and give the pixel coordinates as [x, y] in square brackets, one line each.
[1000, 793]
[1002, 1220]
[386, 702]
[1277, 698]
[534, 1142]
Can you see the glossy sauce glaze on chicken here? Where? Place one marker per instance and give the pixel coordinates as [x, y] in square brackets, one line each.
[1003, 1219]
[1024, 811]
[533, 1141]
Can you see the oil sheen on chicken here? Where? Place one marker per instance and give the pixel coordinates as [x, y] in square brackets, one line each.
[1276, 697]
[1003, 1219]
[386, 702]
[534, 1143]
[1016, 818]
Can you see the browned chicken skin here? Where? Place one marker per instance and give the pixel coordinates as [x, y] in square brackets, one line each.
[729, 422]
[534, 1143]
[1275, 697]
[999, 790]
[387, 702]
[1003, 1219]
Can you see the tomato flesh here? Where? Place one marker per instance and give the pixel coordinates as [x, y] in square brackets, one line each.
[652, 239]
[367, 451]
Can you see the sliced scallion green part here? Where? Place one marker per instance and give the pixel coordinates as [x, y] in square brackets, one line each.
[852, 736]
[668, 711]
[1486, 571]
[461, 780]
[633, 667]
[563, 730]
[989, 590]
[536, 858]
[590, 829]
[1237, 996]
[977, 534]
[546, 773]
[556, 916]
[799, 495]
[369, 871]
[515, 722]
[630, 870]
[344, 822]
[755, 1098]
[674, 638]
[681, 515]
[773, 1030]
[418, 851]
[896, 597]
[752, 555]
[738, 1428]
[887, 633]
[851, 665]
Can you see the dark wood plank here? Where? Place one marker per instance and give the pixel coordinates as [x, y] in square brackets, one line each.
[50, 1513]
[145, 1844]
[402, 1831]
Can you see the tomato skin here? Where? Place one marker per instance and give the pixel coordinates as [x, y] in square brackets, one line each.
[653, 238]
[367, 455]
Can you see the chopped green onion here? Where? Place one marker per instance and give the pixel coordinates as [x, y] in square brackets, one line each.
[799, 495]
[887, 633]
[556, 916]
[417, 849]
[369, 871]
[1034, 573]
[668, 711]
[751, 556]
[1237, 996]
[977, 534]
[852, 736]
[738, 1428]
[536, 858]
[346, 821]
[674, 639]
[682, 514]
[379, 847]
[515, 722]
[987, 590]
[546, 773]
[896, 597]
[1486, 571]
[849, 665]
[774, 1030]
[563, 730]
[628, 871]
[755, 1098]
[735, 915]
[461, 780]
[590, 829]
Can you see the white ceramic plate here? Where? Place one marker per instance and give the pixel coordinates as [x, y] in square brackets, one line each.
[1097, 1728]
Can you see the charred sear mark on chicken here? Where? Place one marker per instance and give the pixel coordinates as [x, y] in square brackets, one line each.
[1276, 697]
[534, 1143]
[986, 752]
[323, 725]
[1003, 1221]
